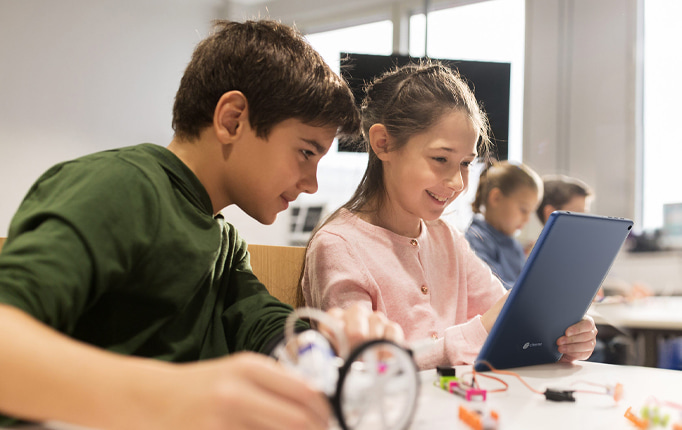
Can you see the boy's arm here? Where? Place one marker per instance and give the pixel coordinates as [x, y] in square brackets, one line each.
[253, 319]
[48, 376]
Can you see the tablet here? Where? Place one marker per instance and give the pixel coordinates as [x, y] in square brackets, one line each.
[562, 275]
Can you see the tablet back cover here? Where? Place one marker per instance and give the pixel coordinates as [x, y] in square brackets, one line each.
[555, 288]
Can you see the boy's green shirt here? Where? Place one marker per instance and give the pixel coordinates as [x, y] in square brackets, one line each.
[120, 249]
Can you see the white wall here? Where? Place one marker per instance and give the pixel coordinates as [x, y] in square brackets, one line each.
[580, 113]
[79, 76]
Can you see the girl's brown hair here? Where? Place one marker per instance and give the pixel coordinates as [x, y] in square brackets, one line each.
[408, 100]
[507, 177]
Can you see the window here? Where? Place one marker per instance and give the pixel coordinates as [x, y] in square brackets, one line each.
[339, 173]
[374, 38]
[662, 109]
[485, 31]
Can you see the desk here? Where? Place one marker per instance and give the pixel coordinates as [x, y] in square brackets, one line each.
[521, 409]
[647, 320]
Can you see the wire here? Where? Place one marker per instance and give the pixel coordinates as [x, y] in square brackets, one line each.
[321, 317]
[502, 372]
[667, 403]
[551, 394]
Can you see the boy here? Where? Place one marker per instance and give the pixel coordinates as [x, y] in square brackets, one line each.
[563, 193]
[119, 263]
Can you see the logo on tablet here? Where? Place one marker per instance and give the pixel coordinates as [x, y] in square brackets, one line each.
[531, 345]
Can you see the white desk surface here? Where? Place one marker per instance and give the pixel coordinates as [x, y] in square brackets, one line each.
[521, 409]
[656, 312]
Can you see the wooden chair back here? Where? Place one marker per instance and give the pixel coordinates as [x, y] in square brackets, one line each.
[279, 269]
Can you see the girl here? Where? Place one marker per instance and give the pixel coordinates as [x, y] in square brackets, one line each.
[388, 249]
[506, 196]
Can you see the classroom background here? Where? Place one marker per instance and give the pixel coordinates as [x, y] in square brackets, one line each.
[593, 93]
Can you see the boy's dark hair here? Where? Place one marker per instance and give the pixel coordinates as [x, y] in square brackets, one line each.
[559, 190]
[507, 177]
[278, 72]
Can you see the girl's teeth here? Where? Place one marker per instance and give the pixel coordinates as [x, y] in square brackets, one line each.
[440, 199]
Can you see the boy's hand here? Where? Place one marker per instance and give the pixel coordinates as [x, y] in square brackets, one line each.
[579, 341]
[242, 391]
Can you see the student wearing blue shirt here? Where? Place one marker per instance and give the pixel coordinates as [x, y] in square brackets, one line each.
[507, 195]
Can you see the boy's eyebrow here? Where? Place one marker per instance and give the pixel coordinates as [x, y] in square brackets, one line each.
[319, 148]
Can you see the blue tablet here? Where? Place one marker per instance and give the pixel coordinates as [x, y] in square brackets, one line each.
[563, 273]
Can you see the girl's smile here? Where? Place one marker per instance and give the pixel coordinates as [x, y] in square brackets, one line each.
[437, 197]
[426, 174]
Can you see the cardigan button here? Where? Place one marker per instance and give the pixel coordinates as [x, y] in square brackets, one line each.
[414, 242]
[425, 289]
[434, 336]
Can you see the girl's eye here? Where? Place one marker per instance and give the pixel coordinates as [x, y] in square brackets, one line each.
[441, 159]
[466, 163]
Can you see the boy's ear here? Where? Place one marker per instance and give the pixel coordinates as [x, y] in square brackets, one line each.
[378, 140]
[230, 116]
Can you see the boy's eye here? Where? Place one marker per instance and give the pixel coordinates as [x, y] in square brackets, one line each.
[307, 154]
[441, 159]
[466, 163]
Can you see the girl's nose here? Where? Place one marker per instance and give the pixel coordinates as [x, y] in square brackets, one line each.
[456, 181]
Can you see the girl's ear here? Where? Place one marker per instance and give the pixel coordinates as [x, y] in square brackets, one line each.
[230, 116]
[494, 197]
[378, 140]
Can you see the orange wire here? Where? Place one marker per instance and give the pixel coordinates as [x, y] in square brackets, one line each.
[516, 375]
[505, 372]
[498, 390]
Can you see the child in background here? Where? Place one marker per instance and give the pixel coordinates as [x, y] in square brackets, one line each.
[506, 196]
[388, 248]
[563, 193]
[122, 288]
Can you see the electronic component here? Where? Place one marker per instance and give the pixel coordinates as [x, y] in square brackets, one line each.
[559, 395]
[446, 375]
[479, 420]
[446, 371]
[635, 420]
[375, 385]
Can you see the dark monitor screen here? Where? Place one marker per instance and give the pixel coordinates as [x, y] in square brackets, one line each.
[490, 82]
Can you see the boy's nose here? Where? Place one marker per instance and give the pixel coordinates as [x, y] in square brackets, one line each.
[308, 183]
